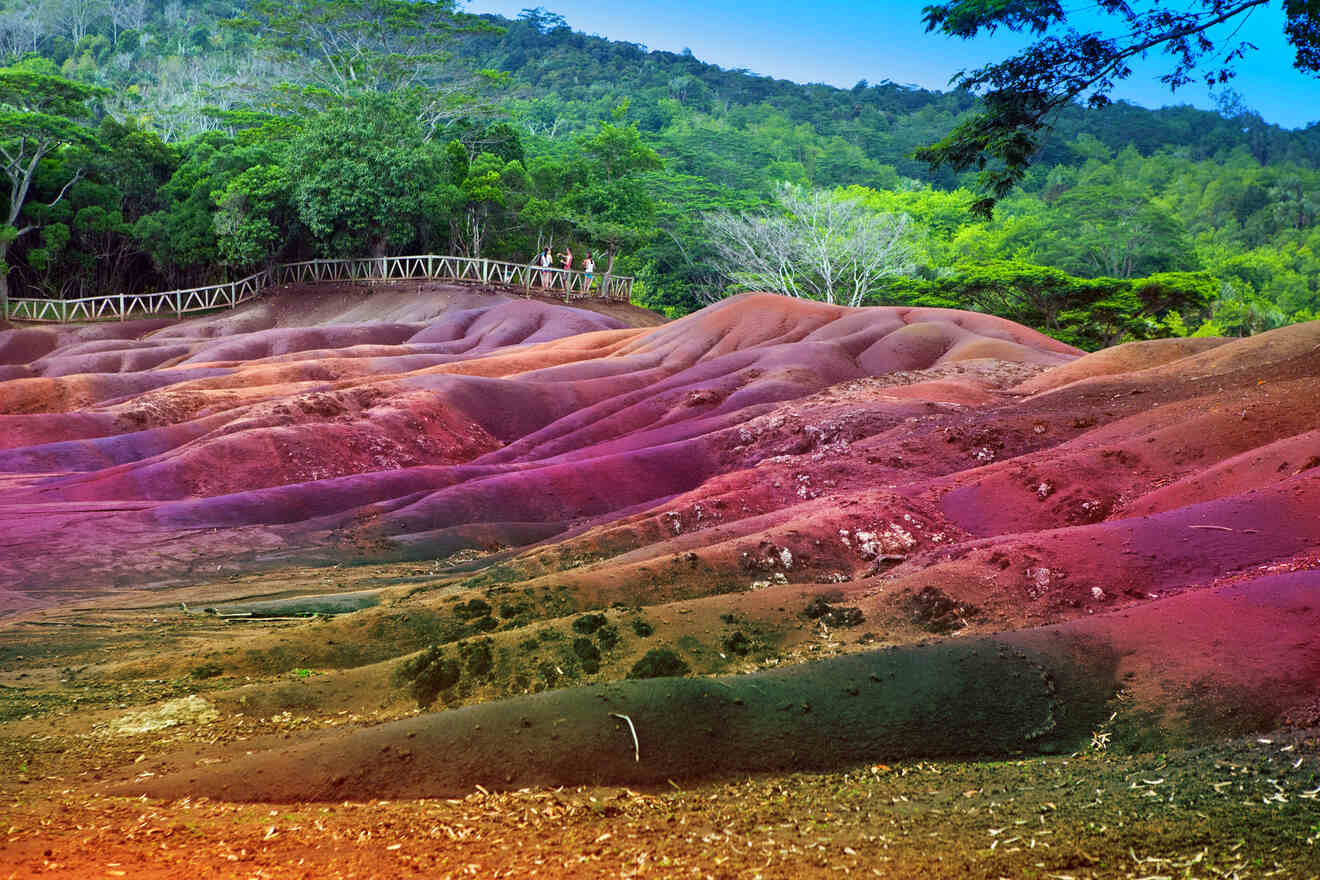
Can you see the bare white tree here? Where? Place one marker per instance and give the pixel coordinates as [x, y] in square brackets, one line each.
[76, 17]
[127, 15]
[23, 25]
[819, 245]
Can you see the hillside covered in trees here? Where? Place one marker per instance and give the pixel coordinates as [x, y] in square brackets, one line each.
[206, 139]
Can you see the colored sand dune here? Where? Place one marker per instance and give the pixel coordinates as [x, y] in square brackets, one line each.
[1143, 521]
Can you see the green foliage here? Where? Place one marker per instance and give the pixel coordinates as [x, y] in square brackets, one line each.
[478, 656]
[429, 674]
[1090, 313]
[351, 46]
[607, 637]
[207, 670]
[473, 608]
[41, 115]
[589, 623]
[363, 176]
[588, 655]
[1023, 94]
[386, 137]
[251, 215]
[659, 663]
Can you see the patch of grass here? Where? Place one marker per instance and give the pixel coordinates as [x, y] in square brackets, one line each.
[206, 670]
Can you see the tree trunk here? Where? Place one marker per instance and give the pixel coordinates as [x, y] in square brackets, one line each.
[4, 281]
[609, 270]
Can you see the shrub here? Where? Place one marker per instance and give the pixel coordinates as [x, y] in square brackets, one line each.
[589, 623]
[484, 624]
[588, 654]
[207, 670]
[473, 609]
[737, 643]
[608, 637]
[478, 657]
[659, 663]
[430, 675]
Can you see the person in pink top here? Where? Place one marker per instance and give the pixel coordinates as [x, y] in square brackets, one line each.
[567, 265]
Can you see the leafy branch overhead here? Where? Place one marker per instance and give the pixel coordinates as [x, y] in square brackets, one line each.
[1022, 94]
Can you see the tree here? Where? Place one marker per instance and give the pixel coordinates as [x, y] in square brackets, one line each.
[364, 176]
[24, 26]
[76, 17]
[251, 218]
[351, 46]
[608, 202]
[1022, 95]
[817, 245]
[41, 114]
[482, 192]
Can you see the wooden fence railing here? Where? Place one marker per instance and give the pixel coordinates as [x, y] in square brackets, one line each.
[119, 306]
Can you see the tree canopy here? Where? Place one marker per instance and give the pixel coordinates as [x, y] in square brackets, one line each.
[237, 132]
[41, 113]
[1021, 95]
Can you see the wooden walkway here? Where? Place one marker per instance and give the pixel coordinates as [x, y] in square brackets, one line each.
[463, 270]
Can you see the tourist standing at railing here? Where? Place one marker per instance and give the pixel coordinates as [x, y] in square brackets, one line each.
[545, 261]
[567, 258]
[588, 272]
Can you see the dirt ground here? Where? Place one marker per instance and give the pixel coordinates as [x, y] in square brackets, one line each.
[1124, 806]
[1241, 809]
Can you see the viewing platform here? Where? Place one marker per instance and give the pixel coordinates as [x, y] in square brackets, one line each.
[570, 284]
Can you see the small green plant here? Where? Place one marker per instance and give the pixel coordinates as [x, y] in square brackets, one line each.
[472, 610]
[589, 623]
[303, 672]
[478, 657]
[588, 655]
[207, 670]
[659, 663]
[737, 643]
[642, 628]
[607, 637]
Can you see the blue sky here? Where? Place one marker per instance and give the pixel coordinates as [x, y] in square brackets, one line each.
[839, 43]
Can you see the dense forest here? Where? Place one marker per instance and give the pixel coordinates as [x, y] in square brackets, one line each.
[154, 144]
